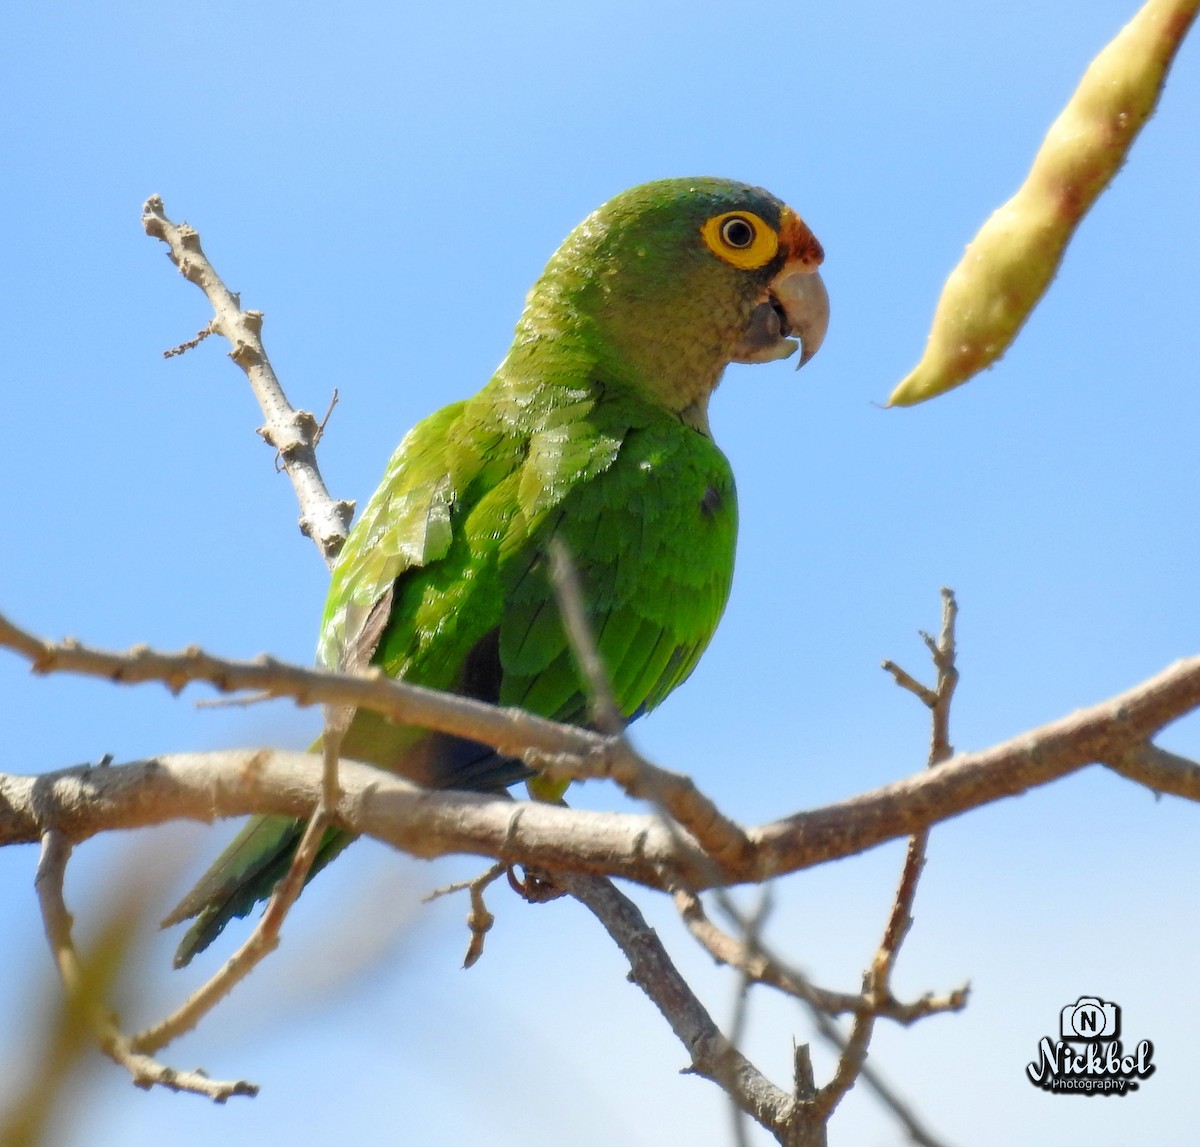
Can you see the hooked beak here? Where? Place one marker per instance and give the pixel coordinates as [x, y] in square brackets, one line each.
[800, 294]
[795, 306]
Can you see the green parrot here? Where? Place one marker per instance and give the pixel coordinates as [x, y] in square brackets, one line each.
[594, 429]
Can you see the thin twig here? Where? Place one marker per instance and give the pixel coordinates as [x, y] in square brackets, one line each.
[766, 968]
[755, 923]
[823, 1007]
[943, 652]
[265, 937]
[320, 431]
[293, 433]
[479, 919]
[145, 1071]
[235, 702]
[262, 941]
[877, 989]
[606, 715]
[907, 681]
[675, 795]
[191, 343]
[850, 1063]
[876, 997]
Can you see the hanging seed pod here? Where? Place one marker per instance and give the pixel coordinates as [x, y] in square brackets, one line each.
[1007, 267]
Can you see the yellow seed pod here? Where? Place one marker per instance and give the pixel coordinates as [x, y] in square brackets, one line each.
[1007, 267]
[741, 238]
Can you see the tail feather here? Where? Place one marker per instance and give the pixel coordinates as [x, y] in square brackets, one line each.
[244, 874]
[259, 856]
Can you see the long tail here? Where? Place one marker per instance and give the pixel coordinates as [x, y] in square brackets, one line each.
[245, 873]
[259, 856]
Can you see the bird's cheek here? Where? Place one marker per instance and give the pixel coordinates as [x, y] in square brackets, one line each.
[762, 340]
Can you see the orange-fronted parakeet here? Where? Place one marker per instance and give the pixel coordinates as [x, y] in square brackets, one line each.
[594, 429]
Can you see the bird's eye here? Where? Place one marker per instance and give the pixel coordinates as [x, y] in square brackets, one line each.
[741, 238]
[738, 232]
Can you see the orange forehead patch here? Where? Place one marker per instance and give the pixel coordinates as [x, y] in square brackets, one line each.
[798, 241]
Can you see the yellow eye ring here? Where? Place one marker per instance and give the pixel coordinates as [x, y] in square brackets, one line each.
[741, 238]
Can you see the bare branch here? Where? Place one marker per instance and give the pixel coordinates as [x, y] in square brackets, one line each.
[145, 1072]
[1158, 769]
[757, 963]
[851, 1063]
[1102, 733]
[190, 344]
[944, 652]
[333, 401]
[712, 1055]
[561, 751]
[737, 1027]
[906, 681]
[479, 919]
[876, 984]
[511, 731]
[85, 801]
[762, 968]
[264, 939]
[292, 432]
[1105, 733]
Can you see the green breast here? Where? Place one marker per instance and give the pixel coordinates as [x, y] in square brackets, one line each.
[653, 538]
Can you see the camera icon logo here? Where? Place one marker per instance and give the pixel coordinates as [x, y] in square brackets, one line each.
[1091, 1018]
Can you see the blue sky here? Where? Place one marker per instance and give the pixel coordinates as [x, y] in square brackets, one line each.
[385, 182]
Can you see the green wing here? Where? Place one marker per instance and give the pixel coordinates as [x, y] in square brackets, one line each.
[444, 582]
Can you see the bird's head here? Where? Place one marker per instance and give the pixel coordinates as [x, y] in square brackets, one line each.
[669, 282]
